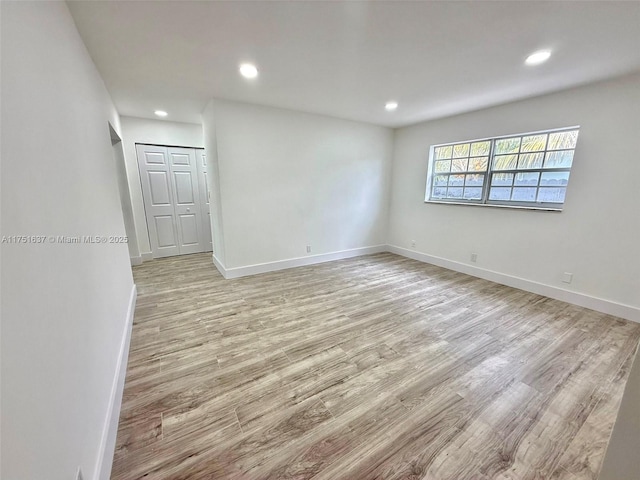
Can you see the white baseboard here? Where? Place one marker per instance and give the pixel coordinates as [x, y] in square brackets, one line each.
[136, 260]
[583, 300]
[245, 271]
[146, 256]
[594, 303]
[110, 430]
[219, 265]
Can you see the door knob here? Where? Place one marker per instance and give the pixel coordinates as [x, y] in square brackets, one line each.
[188, 209]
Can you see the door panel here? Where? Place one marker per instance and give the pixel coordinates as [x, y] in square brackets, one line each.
[181, 158]
[204, 199]
[184, 188]
[206, 187]
[189, 229]
[155, 158]
[186, 199]
[166, 231]
[159, 188]
[153, 162]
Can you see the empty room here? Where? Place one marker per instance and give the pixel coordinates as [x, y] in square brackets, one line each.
[320, 240]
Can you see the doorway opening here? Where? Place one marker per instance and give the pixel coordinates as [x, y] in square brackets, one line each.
[125, 197]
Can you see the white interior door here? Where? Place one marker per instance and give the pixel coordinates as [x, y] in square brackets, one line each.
[189, 223]
[204, 195]
[173, 203]
[155, 174]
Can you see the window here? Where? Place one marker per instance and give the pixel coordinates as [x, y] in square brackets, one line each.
[526, 170]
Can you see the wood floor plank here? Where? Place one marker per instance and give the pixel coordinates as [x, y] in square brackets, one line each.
[375, 367]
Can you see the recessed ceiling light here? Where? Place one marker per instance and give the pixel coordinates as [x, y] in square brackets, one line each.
[536, 58]
[161, 113]
[248, 71]
[390, 106]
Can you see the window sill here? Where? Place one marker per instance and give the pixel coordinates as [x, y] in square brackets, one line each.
[493, 205]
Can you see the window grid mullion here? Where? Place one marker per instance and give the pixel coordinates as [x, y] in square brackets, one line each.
[534, 170]
[489, 175]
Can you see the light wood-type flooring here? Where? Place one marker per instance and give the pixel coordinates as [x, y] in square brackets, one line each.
[377, 367]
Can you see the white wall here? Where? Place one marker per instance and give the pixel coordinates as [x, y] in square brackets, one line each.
[290, 179]
[213, 178]
[64, 307]
[595, 237]
[158, 132]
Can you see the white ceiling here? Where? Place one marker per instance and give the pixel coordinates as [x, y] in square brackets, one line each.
[346, 59]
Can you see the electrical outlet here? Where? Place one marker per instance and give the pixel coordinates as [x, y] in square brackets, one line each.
[474, 257]
[308, 248]
[567, 277]
[79, 474]
[413, 243]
